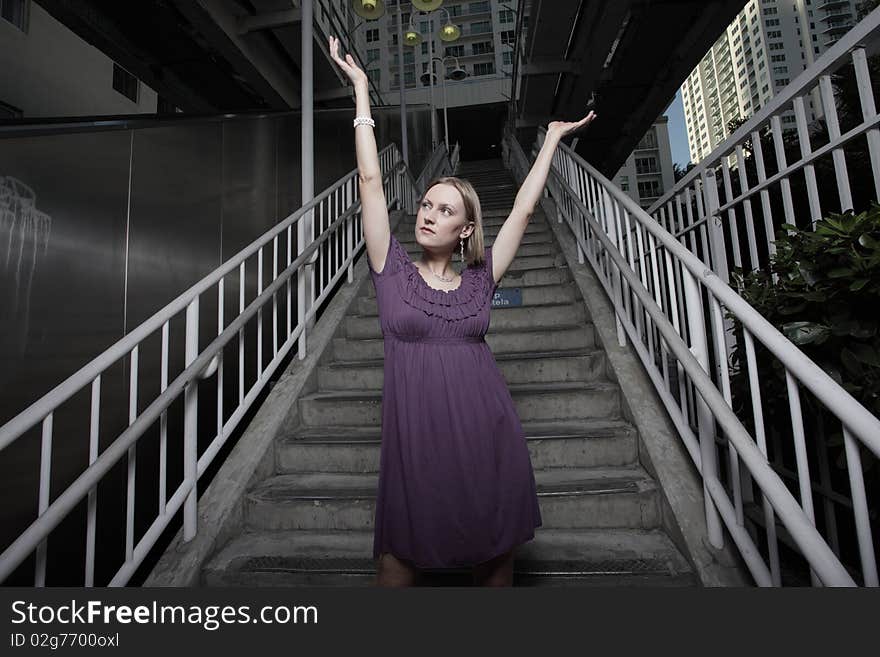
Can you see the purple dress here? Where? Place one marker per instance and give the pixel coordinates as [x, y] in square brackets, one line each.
[456, 485]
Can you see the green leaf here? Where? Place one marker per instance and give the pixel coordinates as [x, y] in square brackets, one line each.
[865, 354]
[868, 242]
[864, 331]
[802, 333]
[842, 272]
[857, 285]
[850, 362]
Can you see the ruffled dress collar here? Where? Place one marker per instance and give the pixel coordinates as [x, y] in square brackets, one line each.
[467, 300]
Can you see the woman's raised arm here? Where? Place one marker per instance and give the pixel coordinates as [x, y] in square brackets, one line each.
[374, 207]
[510, 235]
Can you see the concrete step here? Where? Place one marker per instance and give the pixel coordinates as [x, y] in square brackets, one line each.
[502, 319]
[555, 557]
[533, 295]
[512, 278]
[573, 336]
[542, 401]
[569, 498]
[531, 367]
[554, 444]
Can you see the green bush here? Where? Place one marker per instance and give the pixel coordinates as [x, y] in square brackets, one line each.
[826, 301]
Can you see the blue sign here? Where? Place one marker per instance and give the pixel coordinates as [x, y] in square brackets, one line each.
[507, 297]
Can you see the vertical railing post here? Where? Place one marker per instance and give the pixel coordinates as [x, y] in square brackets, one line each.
[612, 234]
[705, 420]
[190, 424]
[306, 274]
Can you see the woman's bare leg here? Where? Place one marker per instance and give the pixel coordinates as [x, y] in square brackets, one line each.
[495, 572]
[394, 572]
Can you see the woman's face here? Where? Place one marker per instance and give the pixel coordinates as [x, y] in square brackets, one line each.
[441, 217]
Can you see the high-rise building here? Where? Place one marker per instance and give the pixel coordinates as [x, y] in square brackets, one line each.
[767, 45]
[648, 172]
[484, 50]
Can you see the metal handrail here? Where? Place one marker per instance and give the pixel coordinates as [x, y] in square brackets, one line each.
[398, 185]
[613, 207]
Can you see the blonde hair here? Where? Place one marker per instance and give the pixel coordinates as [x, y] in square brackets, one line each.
[474, 251]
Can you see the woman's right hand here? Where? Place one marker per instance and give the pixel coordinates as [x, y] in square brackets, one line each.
[355, 74]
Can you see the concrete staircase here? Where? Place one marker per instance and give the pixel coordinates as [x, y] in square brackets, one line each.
[311, 522]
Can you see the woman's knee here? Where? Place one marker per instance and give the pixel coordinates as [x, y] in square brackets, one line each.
[393, 571]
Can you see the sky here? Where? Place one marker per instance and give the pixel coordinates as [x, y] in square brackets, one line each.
[678, 132]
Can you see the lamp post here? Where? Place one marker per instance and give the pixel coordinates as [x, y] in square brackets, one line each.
[413, 37]
[458, 73]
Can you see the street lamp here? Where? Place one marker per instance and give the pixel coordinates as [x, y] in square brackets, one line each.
[458, 73]
[369, 9]
[448, 33]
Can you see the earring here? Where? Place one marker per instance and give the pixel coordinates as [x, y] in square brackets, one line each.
[461, 241]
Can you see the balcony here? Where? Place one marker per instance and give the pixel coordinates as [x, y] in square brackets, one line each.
[839, 15]
[837, 28]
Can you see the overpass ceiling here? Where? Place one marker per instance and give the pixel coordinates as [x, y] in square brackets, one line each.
[209, 56]
[634, 54]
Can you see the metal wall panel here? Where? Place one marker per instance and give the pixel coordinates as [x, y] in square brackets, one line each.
[63, 203]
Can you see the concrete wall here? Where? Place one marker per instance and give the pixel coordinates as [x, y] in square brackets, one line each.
[50, 71]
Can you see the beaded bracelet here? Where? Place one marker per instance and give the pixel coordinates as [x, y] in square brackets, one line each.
[364, 120]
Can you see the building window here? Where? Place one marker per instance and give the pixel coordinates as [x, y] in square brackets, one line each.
[454, 51]
[649, 189]
[16, 12]
[483, 27]
[372, 55]
[484, 68]
[646, 165]
[478, 7]
[409, 57]
[508, 38]
[424, 47]
[373, 35]
[125, 83]
[482, 47]
[506, 16]
[507, 58]
[650, 139]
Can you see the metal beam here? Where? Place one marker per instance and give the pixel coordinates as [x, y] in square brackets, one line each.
[333, 94]
[252, 57]
[551, 67]
[532, 121]
[268, 20]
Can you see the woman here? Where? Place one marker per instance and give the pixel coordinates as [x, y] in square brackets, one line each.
[456, 485]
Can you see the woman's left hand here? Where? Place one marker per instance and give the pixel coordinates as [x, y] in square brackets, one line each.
[565, 128]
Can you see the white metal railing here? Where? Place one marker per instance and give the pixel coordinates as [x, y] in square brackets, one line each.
[339, 206]
[754, 205]
[455, 157]
[669, 304]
